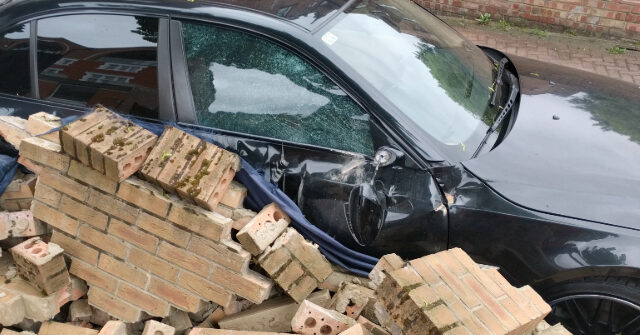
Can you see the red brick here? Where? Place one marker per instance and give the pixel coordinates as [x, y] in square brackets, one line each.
[44, 152]
[179, 297]
[145, 196]
[205, 289]
[153, 264]
[122, 270]
[112, 305]
[184, 259]
[41, 263]
[102, 241]
[83, 213]
[75, 248]
[163, 229]
[73, 129]
[47, 195]
[128, 158]
[63, 184]
[54, 218]
[205, 223]
[92, 177]
[234, 195]
[313, 319]
[132, 235]
[112, 206]
[250, 286]
[263, 229]
[145, 301]
[226, 253]
[93, 276]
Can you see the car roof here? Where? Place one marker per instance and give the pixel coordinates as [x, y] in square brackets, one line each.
[304, 13]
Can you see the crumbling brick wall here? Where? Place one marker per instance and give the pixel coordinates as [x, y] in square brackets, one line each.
[610, 17]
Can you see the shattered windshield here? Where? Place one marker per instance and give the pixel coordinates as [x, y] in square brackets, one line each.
[439, 80]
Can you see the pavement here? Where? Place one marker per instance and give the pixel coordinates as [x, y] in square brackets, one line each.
[590, 54]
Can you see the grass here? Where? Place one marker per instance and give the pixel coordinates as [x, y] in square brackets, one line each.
[484, 19]
[617, 50]
[540, 33]
[504, 25]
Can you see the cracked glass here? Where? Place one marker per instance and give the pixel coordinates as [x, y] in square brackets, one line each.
[248, 84]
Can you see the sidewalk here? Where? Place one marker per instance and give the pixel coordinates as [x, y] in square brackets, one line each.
[585, 53]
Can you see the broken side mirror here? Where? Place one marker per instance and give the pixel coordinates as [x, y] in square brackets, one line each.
[367, 206]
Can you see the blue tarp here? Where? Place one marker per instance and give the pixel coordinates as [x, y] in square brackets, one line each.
[260, 193]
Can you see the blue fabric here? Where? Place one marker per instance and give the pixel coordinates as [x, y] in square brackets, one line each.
[8, 167]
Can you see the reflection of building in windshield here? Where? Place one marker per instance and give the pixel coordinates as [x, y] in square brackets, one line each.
[14, 61]
[119, 78]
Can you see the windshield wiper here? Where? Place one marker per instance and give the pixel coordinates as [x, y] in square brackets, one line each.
[505, 111]
[503, 63]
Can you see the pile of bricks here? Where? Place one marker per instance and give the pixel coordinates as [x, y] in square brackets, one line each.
[139, 234]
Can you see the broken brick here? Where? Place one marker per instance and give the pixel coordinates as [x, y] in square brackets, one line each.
[263, 229]
[357, 329]
[41, 263]
[312, 319]
[387, 263]
[352, 300]
[153, 327]
[234, 195]
[113, 328]
[55, 328]
[79, 310]
[44, 152]
[13, 129]
[21, 187]
[20, 224]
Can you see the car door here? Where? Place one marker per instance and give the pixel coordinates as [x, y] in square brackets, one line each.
[66, 63]
[307, 135]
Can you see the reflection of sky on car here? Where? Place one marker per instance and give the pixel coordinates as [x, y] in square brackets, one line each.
[114, 31]
[18, 35]
[394, 62]
[255, 89]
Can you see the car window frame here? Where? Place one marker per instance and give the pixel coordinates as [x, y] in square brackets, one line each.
[185, 105]
[166, 103]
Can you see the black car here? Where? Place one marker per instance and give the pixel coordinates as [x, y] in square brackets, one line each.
[388, 129]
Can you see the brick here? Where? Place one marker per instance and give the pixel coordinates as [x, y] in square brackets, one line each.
[114, 328]
[86, 139]
[13, 129]
[83, 213]
[234, 195]
[213, 331]
[47, 195]
[122, 270]
[73, 129]
[153, 327]
[143, 300]
[302, 288]
[144, 195]
[21, 187]
[352, 299]
[289, 275]
[274, 259]
[397, 284]
[163, 229]
[112, 305]
[102, 241]
[79, 310]
[308, 254]
[55, 328]
[11, 205]
[92, 177]
[115, 128]
[241, 216]
[76, 289]
[214, 184]
[75, 248]
[356, 329]
[12, 309]
[458, 288]
[224, 210]
[176, 167]
[205, 223]
[63, 184]
[177, 296]
[387, 263]
[20, 224]
[425, 271]
[312, 319]
[44, 152]
[179, 320]
[121, 163]
[263, 229]
[536, 300]
[93, 276]
[161, 153]
[489, 320]
[273, 315]
[335, 280]
[132, 235]
[475, 270]
[40, 123]
[30, 165]
[441, 317]
[41, 263]
[184, 259]
[226, 253]
[112, 206]
[494, 307]
[153, 264]
[205, 289]
[250, 286]
[373, 328]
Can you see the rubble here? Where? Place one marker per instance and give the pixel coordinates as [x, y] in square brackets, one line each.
[120, 232]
